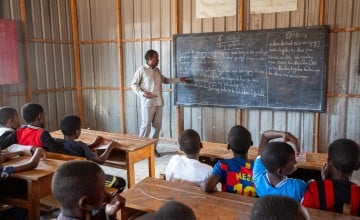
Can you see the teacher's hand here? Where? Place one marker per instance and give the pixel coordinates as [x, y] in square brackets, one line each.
[185, 79]
[149, 95]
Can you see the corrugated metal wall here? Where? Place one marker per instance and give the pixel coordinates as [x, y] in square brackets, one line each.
[106, 67]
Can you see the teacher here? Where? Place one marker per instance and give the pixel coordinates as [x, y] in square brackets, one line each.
[147, 84]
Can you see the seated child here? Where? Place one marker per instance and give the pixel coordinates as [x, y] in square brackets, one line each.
[71, 128]
[278, 208]
[188, 168]
[175, 211]
[33, 134]
[276, 161]
[336, 193]
[6, 171]
[9, 122]
[235, 175]
[79, 187]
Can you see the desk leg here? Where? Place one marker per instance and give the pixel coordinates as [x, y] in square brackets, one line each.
[130, 168]
[34, 199]
[152, 161]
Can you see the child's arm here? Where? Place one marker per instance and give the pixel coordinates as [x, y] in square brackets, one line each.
[272, 134]
[96, 142]
[104, 156]
[8, 155]
[113, 205]
[210, 184]
[33, 162]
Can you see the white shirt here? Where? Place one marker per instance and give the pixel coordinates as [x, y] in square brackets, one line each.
[148, 79]
[183, 168]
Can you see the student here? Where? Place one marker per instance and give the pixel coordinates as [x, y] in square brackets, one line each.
[175, 211]
[336, 193]
[235, 175]
[6, 171]
[275, 162]
[274, 207]
[187, 167]
[71, 128]
[79, 187]
[9, 122]
[33, 132]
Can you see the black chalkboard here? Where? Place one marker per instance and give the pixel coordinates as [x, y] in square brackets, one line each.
[281, 69]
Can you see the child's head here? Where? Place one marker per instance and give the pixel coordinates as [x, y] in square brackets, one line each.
[277, 208]
[239, 139]
[279, 158]
[189, 141]
[9, 117]
[344, 155]
[176, 211]
[33, 113]
[79, 185]
[70, 125]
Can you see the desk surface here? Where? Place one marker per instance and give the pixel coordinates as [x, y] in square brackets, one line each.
[125, 142]
[150, 194]
[45, 167]
[313, 161]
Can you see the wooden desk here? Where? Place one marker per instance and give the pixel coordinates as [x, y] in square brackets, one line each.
[134, 147]
[150, 194]
[313, 161]
[38, 182]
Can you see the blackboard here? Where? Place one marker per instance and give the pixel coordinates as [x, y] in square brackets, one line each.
[280, 69]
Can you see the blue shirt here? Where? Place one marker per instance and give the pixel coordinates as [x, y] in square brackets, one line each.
[5, 172]
[236, 176]
[290, 187]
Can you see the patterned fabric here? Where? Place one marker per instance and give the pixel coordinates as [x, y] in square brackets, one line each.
[333, 195]
[5, 172]
[294, 188]
[236, 176]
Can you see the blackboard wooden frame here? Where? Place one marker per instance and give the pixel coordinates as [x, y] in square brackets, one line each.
[276, 69]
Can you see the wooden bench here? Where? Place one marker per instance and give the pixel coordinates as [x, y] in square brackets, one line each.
[129, 150]
[150, 194]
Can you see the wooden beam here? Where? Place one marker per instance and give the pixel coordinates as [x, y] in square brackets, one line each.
[26, 52]
[179, 118]
[121, 66]
[317, 115]
[240, 28]
[76, 48]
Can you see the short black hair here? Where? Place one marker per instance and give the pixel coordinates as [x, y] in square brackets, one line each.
[276, 155]
[74, 179]
[175, 211]
[70, 124]
[275, 207]
[149, 54]
[344, 155]
[239, 139]
[189, 141]
[30, 111]
[6, 113]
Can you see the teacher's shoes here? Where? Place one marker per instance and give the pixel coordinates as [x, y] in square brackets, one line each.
[156, 153]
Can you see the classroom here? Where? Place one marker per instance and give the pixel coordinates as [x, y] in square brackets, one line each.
[79, 57]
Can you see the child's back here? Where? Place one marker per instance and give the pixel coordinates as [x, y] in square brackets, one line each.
[235, 175]
[188, 168]
[277, 160]
[9, 122]
[33, 134]
[336, 193]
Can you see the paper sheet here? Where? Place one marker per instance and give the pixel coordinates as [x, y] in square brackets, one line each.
[215, 8]
[271, 6]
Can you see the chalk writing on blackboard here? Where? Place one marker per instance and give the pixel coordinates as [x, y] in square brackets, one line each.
[269, 69]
